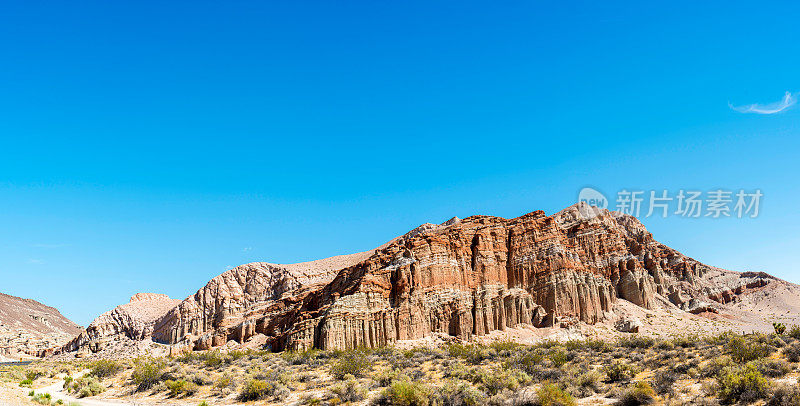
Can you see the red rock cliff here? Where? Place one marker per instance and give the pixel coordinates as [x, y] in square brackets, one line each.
[462, 278]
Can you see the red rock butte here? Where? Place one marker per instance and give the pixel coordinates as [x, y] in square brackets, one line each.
[463, 278]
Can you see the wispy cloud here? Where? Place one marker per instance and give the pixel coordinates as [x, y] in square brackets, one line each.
[788, 100]
[245, 249]
[36, 261]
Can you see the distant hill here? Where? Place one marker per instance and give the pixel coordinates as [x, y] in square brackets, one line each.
[27, 326]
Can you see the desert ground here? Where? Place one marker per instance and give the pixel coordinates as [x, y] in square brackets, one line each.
[632, 369]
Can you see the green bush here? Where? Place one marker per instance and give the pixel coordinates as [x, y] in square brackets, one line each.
[405, 393]
[387, 376]
[559, 358]
[618, 371]
[350, 363]
[636, 341]
[785, 395]
[527, 361]
[745, 350]
[212, 359]
[664, 381]
[85, 387]
[459, 393]
[105, 368]
[551, 395]
[26, 383]
[147, 372]
[794, 332]
[180, 388]
[772, 368]
[349, 391]
[792, 352]
[256, 389]
[472, 353]
[742, 384]
[637, 393]
[780, 328]
[33, 374]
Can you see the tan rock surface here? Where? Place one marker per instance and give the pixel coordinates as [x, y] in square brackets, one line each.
[27, 326]
[463, 278]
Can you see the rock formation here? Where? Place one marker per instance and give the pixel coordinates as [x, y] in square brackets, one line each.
[27, 326]
[133, 320]
[463, 278]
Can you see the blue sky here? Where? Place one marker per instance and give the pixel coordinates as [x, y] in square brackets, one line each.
[148, 146]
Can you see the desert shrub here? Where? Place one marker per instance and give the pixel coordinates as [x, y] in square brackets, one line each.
[256, 389]
[349, 391]
[551, 395]
[42, 399]
[105, 368]
[713, 367]
[459, 393]
[33, 374]
[212, 359]
[223, 383]
[180, 388]
[387, 376]
[618, 371]
[559, 358]
[742, 384]
[785, 395]
[404, 393]
[472, 353]
[772, 368]
[744, 350]
[26, 383]
[85, 387]
[792, 352]
[637, 393]
[794, 331]
[307, 357]
[663, 382]
[527, 361]
[779, 328]
[147, 372]
[496, 380]
[636, 341]
[350, 363]
[504, 346]
[585, 384]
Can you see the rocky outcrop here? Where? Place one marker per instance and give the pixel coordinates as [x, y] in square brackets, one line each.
[27, 326]
[133, 320]
[463, 278]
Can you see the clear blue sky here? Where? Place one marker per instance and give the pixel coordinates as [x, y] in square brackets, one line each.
[148, 146]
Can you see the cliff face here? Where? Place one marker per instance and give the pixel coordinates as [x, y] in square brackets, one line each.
[133, 320]
[27, 326]
[463, 278]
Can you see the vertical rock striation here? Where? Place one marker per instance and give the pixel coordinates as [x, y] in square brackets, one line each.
[462, 278]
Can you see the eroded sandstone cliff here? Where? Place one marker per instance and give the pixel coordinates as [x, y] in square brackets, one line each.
[462, 278]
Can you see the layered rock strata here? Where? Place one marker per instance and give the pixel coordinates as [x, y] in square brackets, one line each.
[462, 278]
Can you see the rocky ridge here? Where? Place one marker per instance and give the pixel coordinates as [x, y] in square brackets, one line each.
[132, 321]
[27, 326]
[462, 278]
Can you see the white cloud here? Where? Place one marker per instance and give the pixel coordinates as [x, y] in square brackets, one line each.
[245, 249]
[788, 101]
[36, 261]
[50, 245]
